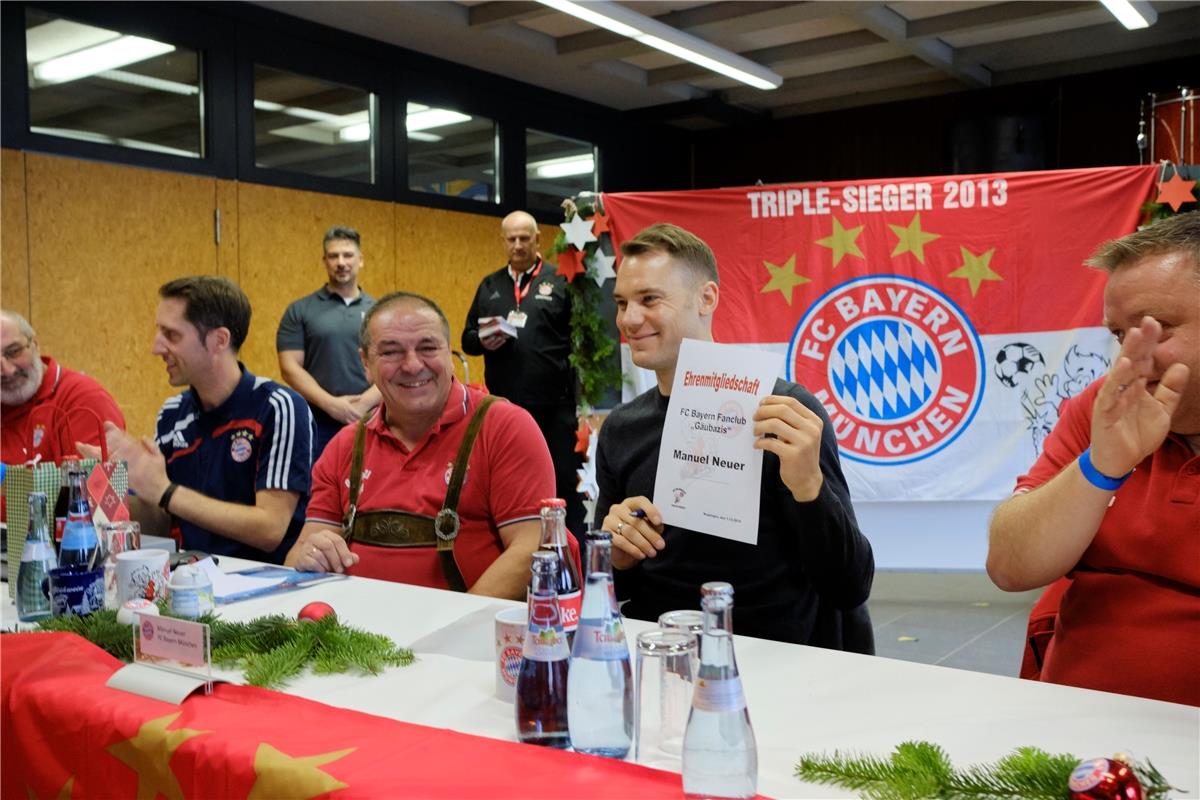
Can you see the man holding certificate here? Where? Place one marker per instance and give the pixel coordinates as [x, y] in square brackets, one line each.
[804, 563]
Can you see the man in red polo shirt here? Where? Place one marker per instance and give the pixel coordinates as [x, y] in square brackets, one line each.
[409, 446]
[1114, 500]
[43, 402]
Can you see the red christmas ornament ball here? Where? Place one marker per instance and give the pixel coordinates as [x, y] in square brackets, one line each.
[316, 611]
[1104, 779]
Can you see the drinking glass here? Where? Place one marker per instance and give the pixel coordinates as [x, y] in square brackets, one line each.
[686, 620]
[663, 696]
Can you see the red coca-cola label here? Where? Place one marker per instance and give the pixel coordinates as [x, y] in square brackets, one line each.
[568, 606]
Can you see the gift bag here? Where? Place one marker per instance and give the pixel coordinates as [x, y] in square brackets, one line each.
[107, 484]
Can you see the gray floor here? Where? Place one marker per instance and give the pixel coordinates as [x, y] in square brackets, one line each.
[952, 619]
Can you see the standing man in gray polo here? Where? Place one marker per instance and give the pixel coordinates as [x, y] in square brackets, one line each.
[317, 341]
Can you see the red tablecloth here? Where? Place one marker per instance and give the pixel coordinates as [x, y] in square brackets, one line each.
[65, 734]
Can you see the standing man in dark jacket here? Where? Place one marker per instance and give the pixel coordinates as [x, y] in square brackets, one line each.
[531, 368]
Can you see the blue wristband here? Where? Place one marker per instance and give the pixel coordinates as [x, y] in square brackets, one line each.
[1097, 478]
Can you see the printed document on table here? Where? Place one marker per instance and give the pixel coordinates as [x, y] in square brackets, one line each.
[708, 470]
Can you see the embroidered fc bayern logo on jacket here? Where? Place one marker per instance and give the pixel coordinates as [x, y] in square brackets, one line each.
[897, 365]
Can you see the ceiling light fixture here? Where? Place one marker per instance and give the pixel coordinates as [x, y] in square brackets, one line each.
[1133, 14]
[355, 133]
[562, 167]
[101, 58]
[433, 118]
[652, 33]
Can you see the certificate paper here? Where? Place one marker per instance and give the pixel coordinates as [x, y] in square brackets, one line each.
[708, 470]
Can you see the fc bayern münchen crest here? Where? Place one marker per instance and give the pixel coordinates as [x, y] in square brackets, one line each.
[240, 448]
[895, 362]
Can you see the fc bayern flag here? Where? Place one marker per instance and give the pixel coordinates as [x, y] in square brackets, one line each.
[941, 321]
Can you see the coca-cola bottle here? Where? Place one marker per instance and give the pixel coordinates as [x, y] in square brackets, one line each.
[541, 706]
[79, 542]
[554, 540]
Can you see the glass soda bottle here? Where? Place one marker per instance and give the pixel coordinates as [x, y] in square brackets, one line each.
[37, 559]
[554, 539]
[720, 758]
[541, 706]
[79, 540]
[600, 685]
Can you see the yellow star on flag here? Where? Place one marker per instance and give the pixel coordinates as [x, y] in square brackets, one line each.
[842, 241]
[281, 775]
[63, 794]
[975, 269]
[783, 278]
[149, 753]
[911, 238]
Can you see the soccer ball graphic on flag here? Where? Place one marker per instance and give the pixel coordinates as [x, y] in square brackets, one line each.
[1015, 360]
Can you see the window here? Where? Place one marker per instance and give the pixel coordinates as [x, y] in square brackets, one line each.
[99, 85]
[451, 153]
[307, 125]
[556, 168]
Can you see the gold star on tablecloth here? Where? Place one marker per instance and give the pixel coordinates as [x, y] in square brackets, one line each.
[63, 794]
[975, 269]
[148, 753]
[842, 241]
[911, 238]
[280, 775]
[783, 278]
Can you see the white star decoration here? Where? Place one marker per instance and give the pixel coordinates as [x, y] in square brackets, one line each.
[588, 484]
[600, 267]
[579, 231]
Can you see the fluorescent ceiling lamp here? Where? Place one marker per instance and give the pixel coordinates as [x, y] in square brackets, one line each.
[1133, 14]
[100, 58]
[59, 37]
[92, 136]
[149, 82]
[562, 167]
[434, 118]
[326, 128]
[355, 133]
[652, 33]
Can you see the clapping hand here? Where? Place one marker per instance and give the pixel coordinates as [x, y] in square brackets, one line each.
[1132, 412]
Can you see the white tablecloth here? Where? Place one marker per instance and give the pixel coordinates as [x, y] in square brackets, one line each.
[801, 699]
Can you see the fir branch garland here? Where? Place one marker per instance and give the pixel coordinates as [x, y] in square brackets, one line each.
[922, 771]
[270, 650]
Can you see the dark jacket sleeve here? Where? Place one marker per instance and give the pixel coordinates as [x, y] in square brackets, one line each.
[470, 334]
[837, 557]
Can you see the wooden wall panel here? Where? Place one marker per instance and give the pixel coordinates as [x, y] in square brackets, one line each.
[102, 239]
[444, 255]
[227, 248]
[279, 254]
[14, 242]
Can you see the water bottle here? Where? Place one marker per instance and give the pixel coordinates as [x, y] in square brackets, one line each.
[37, 559]
[541, 706]
[554, 540]
[720, 758]
[599, 684]
[79, 542]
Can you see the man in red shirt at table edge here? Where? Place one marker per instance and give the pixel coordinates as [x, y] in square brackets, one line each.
[1114, 500]
[411, 441]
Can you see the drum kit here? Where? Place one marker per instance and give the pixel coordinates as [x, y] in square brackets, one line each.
[1171, 124]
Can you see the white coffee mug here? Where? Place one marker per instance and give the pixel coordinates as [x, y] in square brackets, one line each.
[142, 574]
[510, 638]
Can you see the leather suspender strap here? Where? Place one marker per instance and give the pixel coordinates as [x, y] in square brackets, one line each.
[356, 468]
[446, 523]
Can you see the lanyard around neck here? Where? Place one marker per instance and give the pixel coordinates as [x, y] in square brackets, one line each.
[520, 293]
